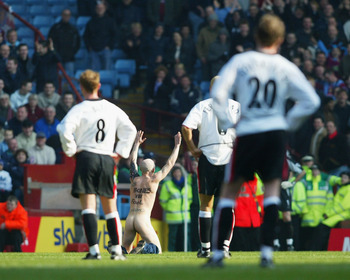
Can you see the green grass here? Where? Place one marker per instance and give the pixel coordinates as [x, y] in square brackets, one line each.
[174, 266]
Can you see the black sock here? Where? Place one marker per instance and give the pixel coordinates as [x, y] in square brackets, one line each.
[204, 230]
[269, 225]
[288, 229]
[90, 227]
[224, 226]
[112, 228]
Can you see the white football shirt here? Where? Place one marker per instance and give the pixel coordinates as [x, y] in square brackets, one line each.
[262, 83]
[216, 146]
[93, 125]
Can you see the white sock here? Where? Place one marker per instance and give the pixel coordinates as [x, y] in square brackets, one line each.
[94, 249]
[276, 242]
[289, 241]
[266, 252]
[206, 246]
[116, 249]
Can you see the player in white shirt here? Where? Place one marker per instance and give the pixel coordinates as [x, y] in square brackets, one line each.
[214, 152]
[89, 132]
[262, 81]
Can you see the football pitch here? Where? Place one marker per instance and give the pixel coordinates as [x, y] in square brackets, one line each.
[169, 266]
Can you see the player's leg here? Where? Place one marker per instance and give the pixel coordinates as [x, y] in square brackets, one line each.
[147, 232]
[271, 201]
[88, 204]
[114, 226]
[129, 233]
[205, 219]
[288, 229]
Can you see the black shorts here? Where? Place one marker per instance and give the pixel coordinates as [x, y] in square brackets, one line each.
[286, 200]
[94, 174]
[210, 177]
[262, 153]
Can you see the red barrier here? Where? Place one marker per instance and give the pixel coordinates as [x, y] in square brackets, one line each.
[339, 240]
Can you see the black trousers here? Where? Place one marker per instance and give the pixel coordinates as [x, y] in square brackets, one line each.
[13, 237]
[245, 239]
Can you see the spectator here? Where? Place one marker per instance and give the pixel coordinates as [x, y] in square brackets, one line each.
[320, 132]
[41, 153]
[305, 35]
[177, 212]
[4, 55]
[20, 96]
[206, 36]
[232, 22]
[48, 96]
[334, 151]
[155, 48]
[331, 39]
[342, 111]
[8, 135]
[253, 16]
[178, 72]
[188, 42]
[340, 210]
[16, 122]
[218, 53]
[13, 224]
[334, 58]
[5, 184]
[184, 98]
[12, 76]
[26, 139]
[25, 64]
[223, 10]
[134, 43]
[319, 80]
[332, 82]
[290, 47]
[34, 111]
[248, 217]
[2, 85]
[242, 41]
[12, 41]
[67, 101]
[8, 156]
[168, 13]
[319, 197]
[47, 124]
[328, 109]
[45, 60]
[66, 40]
[99, 38]
[321, 58]
[344, 67]
[17, 173]
[6, 112]
[127, 13]
[177, 52]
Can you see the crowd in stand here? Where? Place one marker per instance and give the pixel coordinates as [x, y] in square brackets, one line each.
[182, 44]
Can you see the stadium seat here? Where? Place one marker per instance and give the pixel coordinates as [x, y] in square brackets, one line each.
[71, 20]
[57, 2]
[81, 59]
[43, 21]
[108, 76]
[28, 41]
[24, 32]
[123, 80]
[78, 73]
[56, 10]
[18, 2]
[82, 21]
[123, 205]
[118, 54]
[36, 2]
[45, 31]
[127, 66]
[38, 10]
[106, 90]
[19, 9]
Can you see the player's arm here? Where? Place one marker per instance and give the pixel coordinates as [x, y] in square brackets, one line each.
[66, 131]
[160, 175]
[188, 137]
[133, 155]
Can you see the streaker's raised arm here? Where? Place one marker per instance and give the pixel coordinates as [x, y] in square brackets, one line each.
[134, 153]
[171, 160]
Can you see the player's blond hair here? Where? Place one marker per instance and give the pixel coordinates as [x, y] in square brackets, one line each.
[147, 165]
[89, 80]
[269, 30]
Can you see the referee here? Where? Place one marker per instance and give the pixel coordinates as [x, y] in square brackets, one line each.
[88, 132]
[214, 152]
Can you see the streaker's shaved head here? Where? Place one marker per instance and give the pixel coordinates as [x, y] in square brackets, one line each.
[147, 165]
